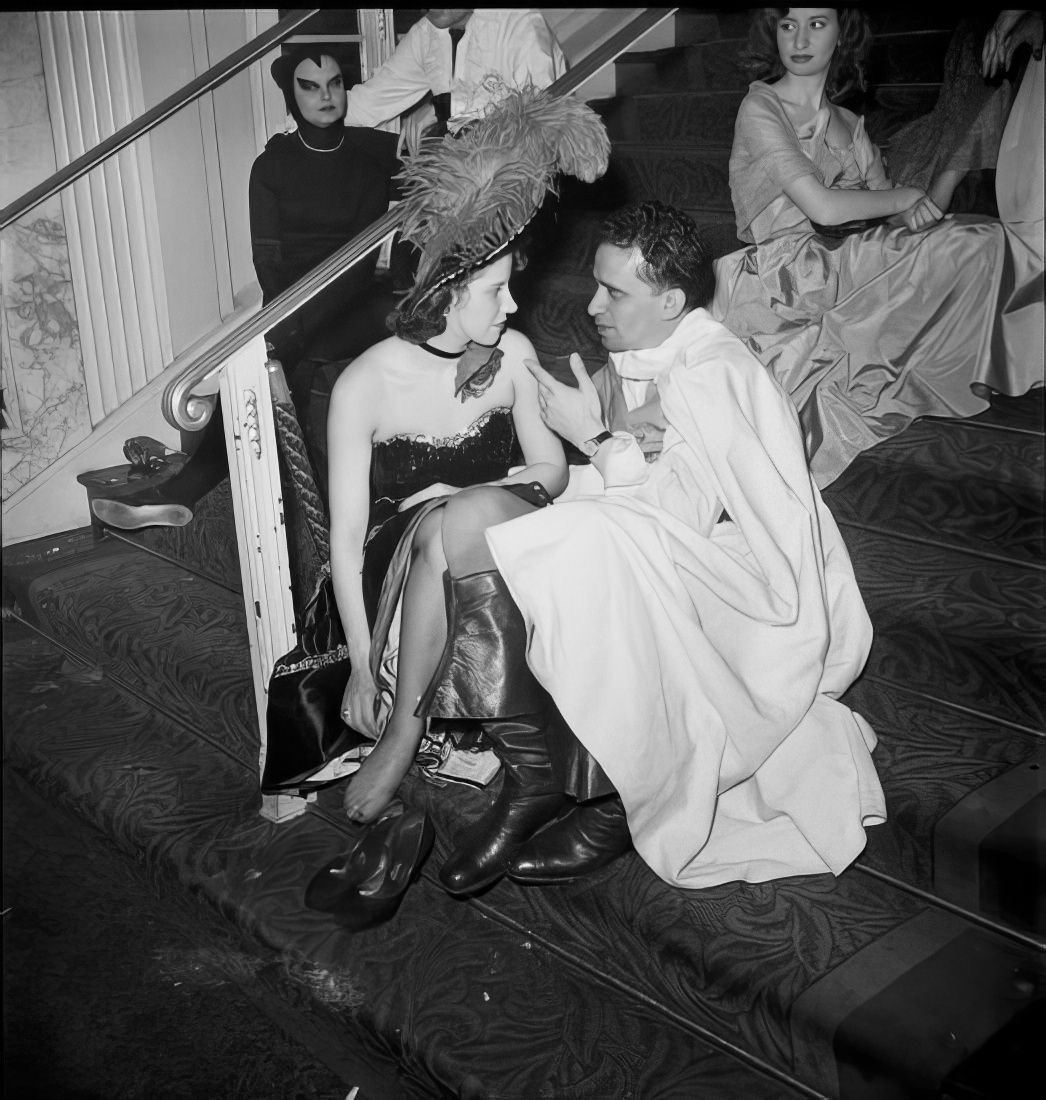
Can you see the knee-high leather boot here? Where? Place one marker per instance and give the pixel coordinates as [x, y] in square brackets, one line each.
[484, 675]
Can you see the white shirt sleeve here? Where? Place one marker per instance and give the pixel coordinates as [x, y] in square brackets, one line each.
[398, 83]
[533, 54]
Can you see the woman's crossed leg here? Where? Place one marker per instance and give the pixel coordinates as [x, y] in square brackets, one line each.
[450, 538]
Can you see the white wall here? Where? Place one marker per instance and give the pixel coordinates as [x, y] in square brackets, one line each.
[202, 159]
[581, 30]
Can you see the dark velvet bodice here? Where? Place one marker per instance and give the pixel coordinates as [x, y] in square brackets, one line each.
[405, 464]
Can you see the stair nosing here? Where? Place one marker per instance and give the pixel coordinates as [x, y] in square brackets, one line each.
[1025, 938]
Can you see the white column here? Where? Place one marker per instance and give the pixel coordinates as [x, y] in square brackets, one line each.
[257, 500]
[92, 75]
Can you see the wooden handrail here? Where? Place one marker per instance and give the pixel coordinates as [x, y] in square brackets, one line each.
[190, 412]
[205, 82]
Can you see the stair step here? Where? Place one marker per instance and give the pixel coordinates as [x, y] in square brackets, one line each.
[783, 969]
[207, 546]
[912, 58]
[1026, 413]
[896, 105]
[570, 244]
[970, 448]
[962, 486]
[956, 627]
[697, 25]
[553, 313]
[171, 636]
[715, 66]
[691, 117]
[190, 814]
[912, 20]
[958, 792]
[705, 66]
[687, 177]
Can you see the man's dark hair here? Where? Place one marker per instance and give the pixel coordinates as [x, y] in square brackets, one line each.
[667, 239]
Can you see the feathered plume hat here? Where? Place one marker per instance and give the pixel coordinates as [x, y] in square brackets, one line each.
[467, 197]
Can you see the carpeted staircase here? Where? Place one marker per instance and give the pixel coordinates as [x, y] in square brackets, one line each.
[917, 973]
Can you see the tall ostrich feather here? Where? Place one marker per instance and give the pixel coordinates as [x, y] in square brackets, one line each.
[466, 197]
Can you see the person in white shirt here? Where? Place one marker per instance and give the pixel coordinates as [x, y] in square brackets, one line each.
[467, 59]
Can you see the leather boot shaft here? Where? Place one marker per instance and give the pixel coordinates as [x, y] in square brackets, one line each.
[483, 672]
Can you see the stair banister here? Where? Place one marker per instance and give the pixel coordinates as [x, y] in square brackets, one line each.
[190, 411]
[205, 82]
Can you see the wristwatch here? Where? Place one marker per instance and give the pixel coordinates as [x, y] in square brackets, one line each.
[590, 446]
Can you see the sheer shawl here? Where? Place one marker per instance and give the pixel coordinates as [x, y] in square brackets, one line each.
[768, 154]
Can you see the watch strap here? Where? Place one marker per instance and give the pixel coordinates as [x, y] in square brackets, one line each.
[590, 446]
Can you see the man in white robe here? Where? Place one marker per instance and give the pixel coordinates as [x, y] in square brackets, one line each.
[692, 608]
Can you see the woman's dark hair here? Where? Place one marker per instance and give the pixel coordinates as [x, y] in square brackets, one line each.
[761, 60]
[428, 318]
[667, 239]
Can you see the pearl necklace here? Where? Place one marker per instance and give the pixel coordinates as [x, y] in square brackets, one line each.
[315, 150]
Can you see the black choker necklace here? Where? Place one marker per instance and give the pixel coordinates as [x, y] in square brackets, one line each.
[444, 354]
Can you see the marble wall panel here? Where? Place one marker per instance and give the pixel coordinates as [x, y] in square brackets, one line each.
[44, 391]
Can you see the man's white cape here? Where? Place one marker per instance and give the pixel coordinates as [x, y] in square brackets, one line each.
[701, 662]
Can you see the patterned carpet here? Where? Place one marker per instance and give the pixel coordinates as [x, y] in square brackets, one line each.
[115, 992]
[802, 987]
[917, 973]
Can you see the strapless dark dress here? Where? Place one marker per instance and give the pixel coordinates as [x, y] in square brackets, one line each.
[406, 464]
[303, 716]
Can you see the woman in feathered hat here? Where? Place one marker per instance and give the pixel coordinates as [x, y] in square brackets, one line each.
[422, 432]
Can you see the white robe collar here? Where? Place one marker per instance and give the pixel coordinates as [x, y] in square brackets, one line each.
[637, 369]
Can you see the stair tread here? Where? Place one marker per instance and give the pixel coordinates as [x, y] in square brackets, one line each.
[193, 815]
[989, 499]
[170, 635]
[958, 627]
[937, 763]
[744, 961]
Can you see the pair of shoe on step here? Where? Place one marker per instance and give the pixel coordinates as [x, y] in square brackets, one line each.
[365, 886]
[483, 674]
[591, 835]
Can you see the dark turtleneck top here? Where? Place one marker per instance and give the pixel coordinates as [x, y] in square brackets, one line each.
[304, 205]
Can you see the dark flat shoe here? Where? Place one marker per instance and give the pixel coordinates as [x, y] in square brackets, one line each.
[330, 886]
[132, 517]
[366, 887]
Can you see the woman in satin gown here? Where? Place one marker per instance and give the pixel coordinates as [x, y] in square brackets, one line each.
[867, 304]
[416, 425]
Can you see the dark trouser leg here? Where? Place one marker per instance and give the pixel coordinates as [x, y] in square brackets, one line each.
[170, 504]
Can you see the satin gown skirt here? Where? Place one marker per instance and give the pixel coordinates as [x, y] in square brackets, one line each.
[871, 331]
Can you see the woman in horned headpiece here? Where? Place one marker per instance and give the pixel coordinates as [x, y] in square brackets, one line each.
[423, 434]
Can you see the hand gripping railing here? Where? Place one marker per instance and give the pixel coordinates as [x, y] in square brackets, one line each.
[186, 410]
[205, 82]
